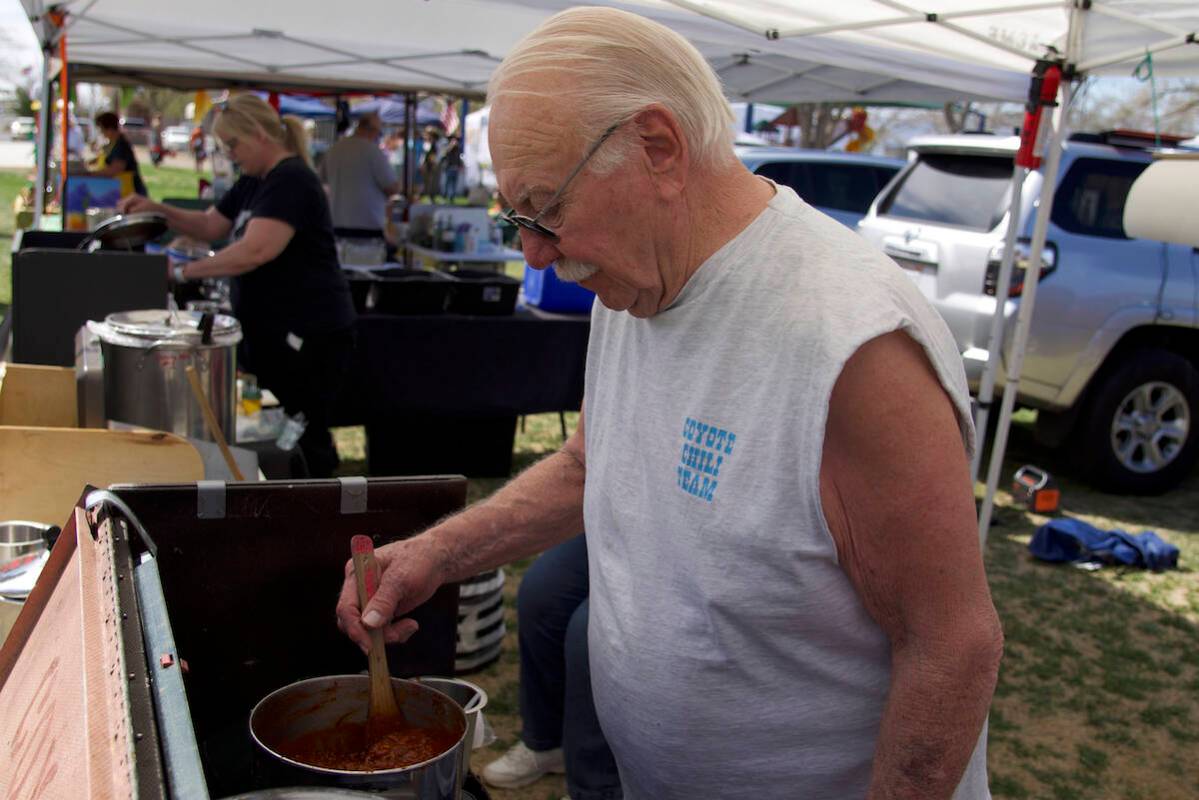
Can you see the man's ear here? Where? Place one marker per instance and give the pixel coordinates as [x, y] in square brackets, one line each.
[665, 148]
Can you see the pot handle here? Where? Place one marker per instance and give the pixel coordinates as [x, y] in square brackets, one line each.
[141, 359]
[50, 536]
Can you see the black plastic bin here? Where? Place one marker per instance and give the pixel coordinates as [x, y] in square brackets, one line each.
[402, 291]
[483, 293]
[361, 284]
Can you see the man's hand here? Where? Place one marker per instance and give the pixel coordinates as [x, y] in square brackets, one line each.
[410, 571]
[136, 203]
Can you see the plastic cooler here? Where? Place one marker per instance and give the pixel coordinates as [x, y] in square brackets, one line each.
[545, 290]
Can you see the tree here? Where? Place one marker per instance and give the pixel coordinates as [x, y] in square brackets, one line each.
[1109, 104]
[22, 104]
[820, 124]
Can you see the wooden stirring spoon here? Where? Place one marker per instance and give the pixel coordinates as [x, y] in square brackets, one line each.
[383, 715]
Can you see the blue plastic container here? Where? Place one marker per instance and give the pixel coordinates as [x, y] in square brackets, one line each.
[546, 291]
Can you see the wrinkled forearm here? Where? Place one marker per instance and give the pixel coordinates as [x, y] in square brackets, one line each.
[939, 696]
[539, 508]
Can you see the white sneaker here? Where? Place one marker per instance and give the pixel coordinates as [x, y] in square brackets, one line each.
[521, 766]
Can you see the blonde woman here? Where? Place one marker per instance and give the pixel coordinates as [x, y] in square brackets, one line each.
[288, 290]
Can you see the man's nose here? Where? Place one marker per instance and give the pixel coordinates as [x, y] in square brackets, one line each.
[539, 251]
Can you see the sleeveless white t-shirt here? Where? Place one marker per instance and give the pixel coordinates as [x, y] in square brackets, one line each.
[730, 655]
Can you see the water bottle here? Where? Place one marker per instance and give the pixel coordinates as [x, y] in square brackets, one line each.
[293, 429]
[251, 395]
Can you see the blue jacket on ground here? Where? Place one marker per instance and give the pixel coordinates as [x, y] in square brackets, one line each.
[1074, 540]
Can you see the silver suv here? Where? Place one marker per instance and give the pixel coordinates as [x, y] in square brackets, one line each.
[841, 185]
[1112, 352]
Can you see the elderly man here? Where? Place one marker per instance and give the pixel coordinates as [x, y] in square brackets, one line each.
[360, 179]
[787, 591]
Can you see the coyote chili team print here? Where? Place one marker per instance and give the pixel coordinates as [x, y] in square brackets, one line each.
[705, 450]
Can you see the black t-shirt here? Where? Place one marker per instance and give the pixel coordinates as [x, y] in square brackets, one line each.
[121, 150]
[302, 290]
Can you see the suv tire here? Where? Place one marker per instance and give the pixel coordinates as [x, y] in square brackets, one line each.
[1138, 432]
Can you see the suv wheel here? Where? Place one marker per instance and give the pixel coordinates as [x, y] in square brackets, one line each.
[1139, 428]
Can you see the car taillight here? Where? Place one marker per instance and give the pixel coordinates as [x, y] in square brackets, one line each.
[1019, 266]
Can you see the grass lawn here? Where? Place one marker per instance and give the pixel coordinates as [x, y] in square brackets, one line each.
[11, 183]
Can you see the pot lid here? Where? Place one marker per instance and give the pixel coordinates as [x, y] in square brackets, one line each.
[127, 231]
[143, 327]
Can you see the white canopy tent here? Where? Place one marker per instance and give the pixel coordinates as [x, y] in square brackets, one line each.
[451, 46]
[764, 50]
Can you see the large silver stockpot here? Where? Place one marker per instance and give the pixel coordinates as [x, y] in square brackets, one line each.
[320, 704]
[146, 355]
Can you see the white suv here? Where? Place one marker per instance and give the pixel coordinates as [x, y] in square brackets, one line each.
[1113, 348]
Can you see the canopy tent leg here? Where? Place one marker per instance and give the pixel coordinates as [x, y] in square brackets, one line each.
[44, 143]
[64, 92]
[409, 145]
[1027, 303]
[986, 389]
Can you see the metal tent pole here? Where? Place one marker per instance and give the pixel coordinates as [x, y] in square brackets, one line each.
[43, 144]
[1028, 300]
[986, 389]
[409, 145]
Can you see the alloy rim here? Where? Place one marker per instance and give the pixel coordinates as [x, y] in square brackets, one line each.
[1150, 427]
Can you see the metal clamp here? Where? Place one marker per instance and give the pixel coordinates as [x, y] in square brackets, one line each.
[210, 499]
[1031, 477]
[353, 495]
[104, 497]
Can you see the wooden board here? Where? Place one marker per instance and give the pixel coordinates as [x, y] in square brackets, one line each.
[44, 470]
[64, 722]
[31, 394]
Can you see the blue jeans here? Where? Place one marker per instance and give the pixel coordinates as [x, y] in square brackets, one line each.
[451, 182]
[556, 706]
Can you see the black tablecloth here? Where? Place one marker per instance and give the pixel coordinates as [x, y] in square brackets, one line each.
[459, 366]
[441, 394]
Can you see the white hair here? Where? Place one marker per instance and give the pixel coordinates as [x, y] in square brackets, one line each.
[613, 65]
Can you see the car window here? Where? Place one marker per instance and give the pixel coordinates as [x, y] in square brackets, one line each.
[845, 187]
[1090, 198]
[788, 173]
[969, 191]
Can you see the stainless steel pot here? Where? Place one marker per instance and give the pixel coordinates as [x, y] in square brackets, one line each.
[472, 700]
[19, 538]
[319, 704]
[146, 355]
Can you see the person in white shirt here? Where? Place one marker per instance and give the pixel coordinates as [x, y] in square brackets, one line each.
[772, 612]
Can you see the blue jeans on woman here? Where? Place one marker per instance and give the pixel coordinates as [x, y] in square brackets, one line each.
[556, 705]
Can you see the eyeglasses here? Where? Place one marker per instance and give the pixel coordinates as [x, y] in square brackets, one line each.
[533, 224]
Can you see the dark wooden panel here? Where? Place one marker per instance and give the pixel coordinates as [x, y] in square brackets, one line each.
[251, 596]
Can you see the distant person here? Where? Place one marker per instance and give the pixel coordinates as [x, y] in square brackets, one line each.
[196, 144]
[76, 148]
[430, 165]
[157, 151]
[451, 165]
[117, 160]
[359, 179]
